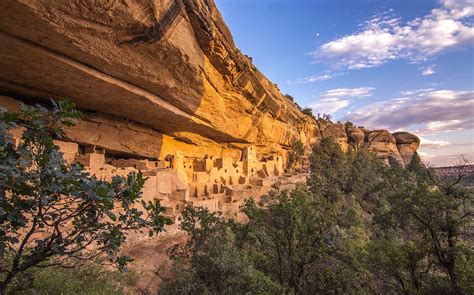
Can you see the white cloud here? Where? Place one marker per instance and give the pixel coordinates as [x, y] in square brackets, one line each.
[423, 154]
[429, 111]
[451, 125]
[416, 91]
[383, 38]
[428, 71]
[316, 78]
[334, 100]
[424, 142]
[460, 8]
[329, 105]
[348, 92]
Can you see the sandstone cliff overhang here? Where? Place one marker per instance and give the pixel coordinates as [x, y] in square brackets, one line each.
[153, 77]
[171, 65]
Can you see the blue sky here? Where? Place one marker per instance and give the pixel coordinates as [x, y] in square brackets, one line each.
[401, 65]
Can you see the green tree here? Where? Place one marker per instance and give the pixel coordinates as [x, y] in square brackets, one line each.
[308, 111]
[416, 166]
[290, 237]
[328, 170]
[358, 226]
[351, 183]
[348, 125]
[366, 179]
[428, 223]
[53, 213]
[211, 262]
[290, 97]
[296, 154]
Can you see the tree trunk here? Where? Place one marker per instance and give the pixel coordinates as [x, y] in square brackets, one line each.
[2, 289]
[5, 282]
[454, 281]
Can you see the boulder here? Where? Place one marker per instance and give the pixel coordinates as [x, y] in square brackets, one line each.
[407, 144]
[356, 136]
[384, 145]
[338, 133]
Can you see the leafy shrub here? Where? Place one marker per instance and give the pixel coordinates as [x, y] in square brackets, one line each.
[357, 227]
[86, 279]
[290, 97]
[53, 213]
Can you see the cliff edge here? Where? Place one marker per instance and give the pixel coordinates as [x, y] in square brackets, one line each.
[154, 77]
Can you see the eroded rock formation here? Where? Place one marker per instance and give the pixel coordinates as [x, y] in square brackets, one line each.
[158, 81]
[407, 145]
[170, 65]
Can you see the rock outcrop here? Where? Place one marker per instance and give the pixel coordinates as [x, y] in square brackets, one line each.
[356, 136]
[338, 133]
[170, 65]
[407, 145]
[154, 77]
[384, 144]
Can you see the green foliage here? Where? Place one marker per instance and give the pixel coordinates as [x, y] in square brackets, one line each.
[414, 225]
[298, 148]
[426, 222]
[290, 97]
[292, 246]
[358, 226]
[86, 279]
[290, 236]
[201, 226]
[53, 213]
[308, 111]
[329, 169]
[416, 166]
[366, 179]
[296, 154]
[348, 125]
[217, 264]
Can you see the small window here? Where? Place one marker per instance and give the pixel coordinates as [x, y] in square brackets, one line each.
[225, 170]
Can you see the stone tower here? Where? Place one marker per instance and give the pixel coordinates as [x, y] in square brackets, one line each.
[178, 166]
[249, 160]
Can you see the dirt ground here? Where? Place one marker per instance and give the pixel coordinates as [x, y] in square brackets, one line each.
[151, 262]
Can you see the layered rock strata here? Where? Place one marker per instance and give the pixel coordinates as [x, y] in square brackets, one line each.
[159, 81]
[407, 145]
[170, 65]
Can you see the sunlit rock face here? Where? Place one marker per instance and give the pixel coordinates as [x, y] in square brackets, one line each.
[338, 133]
[384, 145]
[356, 136]
[155, 77]
[170, 65]
[407, 145]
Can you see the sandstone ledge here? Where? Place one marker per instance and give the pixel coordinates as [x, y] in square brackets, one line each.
[156, 77]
